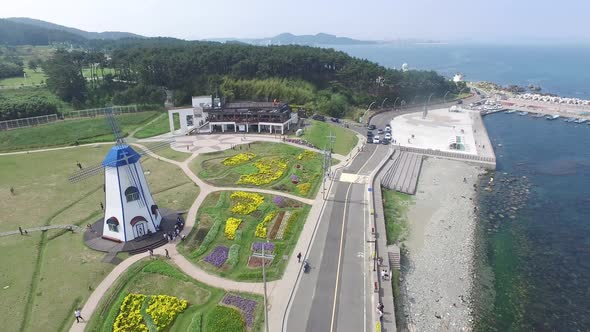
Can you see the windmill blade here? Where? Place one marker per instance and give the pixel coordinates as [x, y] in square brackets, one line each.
[85, 173]
[114, 126]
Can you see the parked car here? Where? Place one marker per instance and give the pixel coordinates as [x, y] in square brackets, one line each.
[376, 139]
[335, 120]
[318, 117]
[459, 101]
[387, 136]
[388, 129]
[372, 127]
[379, 131]
[385, 142]
[369, 134]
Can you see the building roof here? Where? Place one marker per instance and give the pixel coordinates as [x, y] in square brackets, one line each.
[120, 155]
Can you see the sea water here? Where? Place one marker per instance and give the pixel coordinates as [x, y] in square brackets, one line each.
[533, 262]
[558, 69]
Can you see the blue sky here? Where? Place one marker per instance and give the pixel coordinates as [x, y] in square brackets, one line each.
[449, 20]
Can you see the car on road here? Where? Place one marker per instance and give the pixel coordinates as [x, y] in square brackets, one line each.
[369, 133]
[336, 120]
[459, 101]
[376, 139]
[388, 129]
[371, 127]
[387, 136]
[384, 142]
[379, 131]
[318, 117]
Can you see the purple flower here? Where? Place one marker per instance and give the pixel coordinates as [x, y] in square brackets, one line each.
[294, 177]
[246, 306]
[278, 200]
[268, 246]
[218, 256]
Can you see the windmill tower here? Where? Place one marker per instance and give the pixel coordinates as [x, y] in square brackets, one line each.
[130, 210]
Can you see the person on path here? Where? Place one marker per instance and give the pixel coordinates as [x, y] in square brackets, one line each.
[182, 237]
[166, 237]
[299, 258]
[167, 254]
[26, 233]
[78, 315]
[20, 229]
[380, 306]
[12, 191]
[78, 164]
[151, 253]
[101, 206]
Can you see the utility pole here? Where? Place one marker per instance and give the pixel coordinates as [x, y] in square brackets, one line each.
[264, 256]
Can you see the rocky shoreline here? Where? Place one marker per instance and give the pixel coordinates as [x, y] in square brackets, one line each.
[437, 277]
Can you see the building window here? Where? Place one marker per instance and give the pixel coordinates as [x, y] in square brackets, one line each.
[113, 224]
[114, 228]
[131, 194]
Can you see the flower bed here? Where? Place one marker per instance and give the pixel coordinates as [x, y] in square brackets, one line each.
[256, 262]
[269, 247]
[303, 188]
[276, 225]
[279, 201]
[261, 227]
[305, 155]
[225, 319]
[218, 256]
[238, 159]
[231, 225]
[283, 226]
[246, 306]
[129, 318]
[268, 171]
[163, 309]
[244, 202]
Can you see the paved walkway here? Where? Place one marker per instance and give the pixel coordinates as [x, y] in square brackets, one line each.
[278, 291]
[42, 228]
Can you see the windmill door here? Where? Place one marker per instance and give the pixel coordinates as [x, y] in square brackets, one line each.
[140, 229]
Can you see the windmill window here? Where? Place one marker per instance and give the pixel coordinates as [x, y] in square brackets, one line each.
[131, 194]
[113, 224]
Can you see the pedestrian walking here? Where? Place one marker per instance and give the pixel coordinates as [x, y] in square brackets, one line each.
[299, 258]
[101, 206]
[12, 191]
[20, 229]
[78, 315]
[26, 233]
[151, 253]
[380, 306]
[167, 255]
[78, 164]
[166, 237]
[182, 237]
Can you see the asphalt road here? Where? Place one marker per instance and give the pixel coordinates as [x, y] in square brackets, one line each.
[336, 294]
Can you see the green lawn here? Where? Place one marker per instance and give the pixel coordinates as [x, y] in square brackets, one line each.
[33, 78]
[211, 219]
[210, 167]
[64, 133]
[319, 131]
[53, 271]
[158, 277]
[158, 127]
[395, 206]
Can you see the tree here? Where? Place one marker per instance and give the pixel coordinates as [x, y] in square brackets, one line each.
[34, 64]
[64, 76]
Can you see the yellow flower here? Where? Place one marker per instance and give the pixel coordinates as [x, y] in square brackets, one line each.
[238, 159]
[231, 226]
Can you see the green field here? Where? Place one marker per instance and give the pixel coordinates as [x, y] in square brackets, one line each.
[168, 153]
[216, 210]
[65, 133]
[395, 206]
[158, 127]
[318, 134]
[157, 277]
[210, 167]
[53, 271]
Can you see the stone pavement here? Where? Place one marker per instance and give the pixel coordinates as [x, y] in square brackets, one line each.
[278, 291]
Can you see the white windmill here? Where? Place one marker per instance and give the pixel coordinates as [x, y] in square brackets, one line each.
[130, 211]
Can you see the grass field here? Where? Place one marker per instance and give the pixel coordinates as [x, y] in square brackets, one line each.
[216, 207]
[157, 277]
[53, 271]
[158, 127]
[168, 153]
[210, 167]
[395, 206]
[64, 133]
[319, 131]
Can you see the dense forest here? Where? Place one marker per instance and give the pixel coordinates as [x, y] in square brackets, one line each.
[325, 80]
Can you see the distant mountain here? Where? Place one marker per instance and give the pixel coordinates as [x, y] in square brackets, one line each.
[289, 39]
[113, 35]
[14, 33]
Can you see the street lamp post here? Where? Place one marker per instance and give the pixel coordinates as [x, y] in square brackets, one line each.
[396, 99]
[383, 102]
[445, 97]
[264, 257]
[368, 109]
[414, 100]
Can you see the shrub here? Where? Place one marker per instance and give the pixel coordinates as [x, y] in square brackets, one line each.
[224, 319]
[231, 225]
[196, 323]
[211, 235]
[234, 254]
[290, 222]
[238, 236]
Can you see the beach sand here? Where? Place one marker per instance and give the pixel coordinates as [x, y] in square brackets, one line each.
[437, 279]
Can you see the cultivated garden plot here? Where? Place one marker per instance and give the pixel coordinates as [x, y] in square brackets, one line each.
[52, 272]
[232, 227]
[155, 296]
[276, 166]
